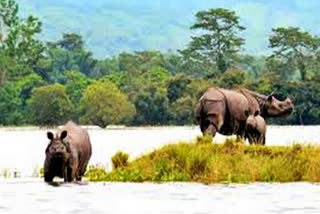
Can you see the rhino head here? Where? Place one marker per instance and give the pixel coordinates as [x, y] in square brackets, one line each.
[58, 146]
[272, 107]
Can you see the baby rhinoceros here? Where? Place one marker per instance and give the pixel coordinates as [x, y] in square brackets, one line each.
[67, 154]
[255, 130]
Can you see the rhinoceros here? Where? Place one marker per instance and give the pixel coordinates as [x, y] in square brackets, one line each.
[67, 154]
[224, 111]
[255, 129]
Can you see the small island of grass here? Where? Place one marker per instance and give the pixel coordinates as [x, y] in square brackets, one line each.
[206, 162]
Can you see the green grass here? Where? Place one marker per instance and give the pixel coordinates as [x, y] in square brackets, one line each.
[206, 162]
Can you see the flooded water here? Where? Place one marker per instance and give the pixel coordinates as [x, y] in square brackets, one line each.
[22, 151]
[34, 196]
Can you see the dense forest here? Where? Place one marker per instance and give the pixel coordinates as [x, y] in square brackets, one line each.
[48, 83]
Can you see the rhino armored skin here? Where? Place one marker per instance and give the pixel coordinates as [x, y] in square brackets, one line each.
[224, 111]
[67, 154]
[255, 130]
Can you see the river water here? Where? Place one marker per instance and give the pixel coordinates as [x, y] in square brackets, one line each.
[34, 196]
[22, 151]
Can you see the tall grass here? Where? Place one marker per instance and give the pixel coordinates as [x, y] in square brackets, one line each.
[231, 162]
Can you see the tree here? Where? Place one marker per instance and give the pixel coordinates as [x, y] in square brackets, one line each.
[182, 111]
[294, 48]
[140, 61]
[152, 107]
[219, 42]
[76, 84]
[10, 103]
[232, 79]
[25, 87]
[70, 42]
[18, 40]
[105, 67]
[104, 104]
[50, 105]
[18, 36]
[177, 86]
[69, 54]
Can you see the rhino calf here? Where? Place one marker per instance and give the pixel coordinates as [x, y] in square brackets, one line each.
[255, 129]
[67, 154]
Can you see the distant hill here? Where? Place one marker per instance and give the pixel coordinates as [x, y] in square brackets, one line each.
[113, 26]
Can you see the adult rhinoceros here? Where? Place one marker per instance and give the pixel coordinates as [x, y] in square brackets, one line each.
[225, 111]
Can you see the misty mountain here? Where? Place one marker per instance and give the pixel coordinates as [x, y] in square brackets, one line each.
[113, 26]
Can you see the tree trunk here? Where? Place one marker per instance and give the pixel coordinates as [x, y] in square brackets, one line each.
[221, 63]
[3, 77]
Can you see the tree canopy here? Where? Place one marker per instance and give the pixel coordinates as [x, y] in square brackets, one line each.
[219, 41]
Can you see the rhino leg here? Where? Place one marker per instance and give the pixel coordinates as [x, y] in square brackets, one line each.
[48, 177]
[69, 174]
[263, 140]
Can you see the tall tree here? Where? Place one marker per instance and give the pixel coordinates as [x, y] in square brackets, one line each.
[69, 53]
[293, 47]
[219, 42]
[18, 38]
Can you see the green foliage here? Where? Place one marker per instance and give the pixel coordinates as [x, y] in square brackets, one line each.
[219, 41]
[120, 160]
[76, 84]
[10, 103]
[151, 106]
[19, 40]
[231, 162]
[105, 67]
[181, 111]
[96, 173]
[295, 47]
[177, 86]
[50, 105]
[163, 86]
[232, 79]
[104, 104]
[69, 54]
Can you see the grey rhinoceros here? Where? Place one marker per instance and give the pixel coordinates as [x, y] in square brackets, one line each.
[225, 111]
[67, 154]
[255, 130]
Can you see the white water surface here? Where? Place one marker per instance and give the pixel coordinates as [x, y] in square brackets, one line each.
[36, 197]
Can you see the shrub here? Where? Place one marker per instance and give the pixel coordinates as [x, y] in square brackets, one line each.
[120, 160]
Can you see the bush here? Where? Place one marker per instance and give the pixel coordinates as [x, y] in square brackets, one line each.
[120, 160]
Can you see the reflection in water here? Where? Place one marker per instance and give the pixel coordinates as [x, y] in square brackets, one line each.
[34, 196]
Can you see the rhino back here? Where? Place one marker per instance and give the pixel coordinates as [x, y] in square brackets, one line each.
[79, 141]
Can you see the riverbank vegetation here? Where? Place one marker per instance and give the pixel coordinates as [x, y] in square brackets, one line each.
[48, 83]
[206, 162]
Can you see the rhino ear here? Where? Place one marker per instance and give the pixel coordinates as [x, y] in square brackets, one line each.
[270, 97]
[63, 135]
[50, 135]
